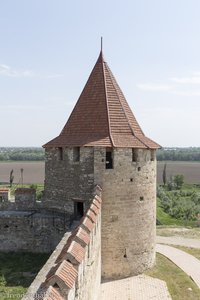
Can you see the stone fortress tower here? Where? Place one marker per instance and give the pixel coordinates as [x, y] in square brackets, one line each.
[103, 144]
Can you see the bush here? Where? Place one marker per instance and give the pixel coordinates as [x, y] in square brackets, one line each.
[178, 180]
[183, 205]
[34, 186]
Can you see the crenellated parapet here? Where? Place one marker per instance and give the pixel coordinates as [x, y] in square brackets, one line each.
[23, 199]
[74, 270]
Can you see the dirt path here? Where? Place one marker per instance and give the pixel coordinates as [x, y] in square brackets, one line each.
[178, 241]
[188, 263]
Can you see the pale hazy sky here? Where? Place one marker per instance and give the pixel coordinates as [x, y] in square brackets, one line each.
[48, 49]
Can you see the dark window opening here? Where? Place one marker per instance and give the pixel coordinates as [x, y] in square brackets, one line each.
[141, 198]
[56, 286]
[152, 155]
[134, 154]
[60, 153]
[125, 255]
[109, 159]
[78, 210]
[76, 154]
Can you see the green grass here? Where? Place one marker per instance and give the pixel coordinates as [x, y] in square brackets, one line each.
[189, 232]
[165, 219]
[17, 271]
[180, 286]
[193, 251]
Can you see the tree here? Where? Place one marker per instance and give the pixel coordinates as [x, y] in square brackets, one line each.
[11, 178]
[178, 180]
[22, 170]
[170, 184]
[164, 175]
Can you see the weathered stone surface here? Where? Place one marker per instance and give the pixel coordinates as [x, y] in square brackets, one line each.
[4, 195]
[129, 201]
[128, 212]
[83, 282]
[68, 179]
[31, 231]
[25, 198]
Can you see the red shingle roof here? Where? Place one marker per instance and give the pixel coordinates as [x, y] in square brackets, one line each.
[102, 116]
[77, 251]
[94, 208]
[82, 236]
[87, 224]
[65, 272]
[98, 199]
[96, 203]
[52, 294]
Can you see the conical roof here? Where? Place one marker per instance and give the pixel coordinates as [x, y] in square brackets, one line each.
[102, 116]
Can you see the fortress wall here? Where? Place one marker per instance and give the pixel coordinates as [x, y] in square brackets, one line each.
[128, 212]
[4, 195]
[74, 269]
[67, 179]
[25, 198]
[30, 232]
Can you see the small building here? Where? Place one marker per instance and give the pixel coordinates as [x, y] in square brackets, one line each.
[4, 195]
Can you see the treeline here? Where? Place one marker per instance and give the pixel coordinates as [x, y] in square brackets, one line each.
[21, 154]
[37, 154]
[179, 154]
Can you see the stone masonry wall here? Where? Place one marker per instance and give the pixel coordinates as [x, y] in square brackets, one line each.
[4, 195]
[128, 212]
[67, 179]
[31, 231]
[25, 198]
[73, 272]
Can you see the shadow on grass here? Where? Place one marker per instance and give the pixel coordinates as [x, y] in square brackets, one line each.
[19, 269]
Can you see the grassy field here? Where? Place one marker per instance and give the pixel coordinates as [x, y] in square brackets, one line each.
[180, 286]
[192, 251]
[34, 171]
[17, 271]
[190, 170]
[190, 233]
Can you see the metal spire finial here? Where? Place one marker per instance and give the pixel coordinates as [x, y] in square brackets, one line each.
[101, 43]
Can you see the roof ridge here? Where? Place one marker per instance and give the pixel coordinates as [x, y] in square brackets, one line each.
[118, 89]
[106, 96]
[141, 141]
[99, 60]
[123, 109]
